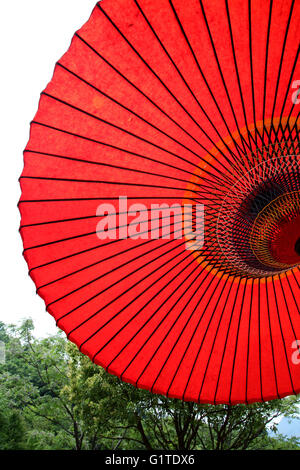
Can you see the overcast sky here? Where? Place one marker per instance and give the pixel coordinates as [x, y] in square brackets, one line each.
[34, 34]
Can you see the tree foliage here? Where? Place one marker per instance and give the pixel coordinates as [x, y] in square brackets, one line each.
[53, 397]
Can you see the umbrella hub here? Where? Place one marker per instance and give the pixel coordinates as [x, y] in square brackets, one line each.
[275, 233]
[258, 228]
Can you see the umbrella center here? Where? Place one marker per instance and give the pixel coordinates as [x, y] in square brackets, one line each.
[259, 221]
[251, 203]
[276, 232]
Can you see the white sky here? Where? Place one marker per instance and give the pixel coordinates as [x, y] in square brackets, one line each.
[34, 34]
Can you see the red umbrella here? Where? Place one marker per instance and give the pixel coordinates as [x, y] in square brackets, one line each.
[160, 107]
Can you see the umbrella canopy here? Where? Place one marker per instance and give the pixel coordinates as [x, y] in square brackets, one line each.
[186, 111]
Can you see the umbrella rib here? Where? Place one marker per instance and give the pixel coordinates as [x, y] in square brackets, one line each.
[259, 340]
[204, 336]
[112, 270]
[292, 292]
[271, 339]
[49, 222]
[294, 144]
[236, 67]
[128, 109]
[184, 80]
[64, 240]
[192, 336]
[266, 65]
[145, 305]
[188, 276]
[248, 343]
[160, 322]
[152, 71]
[74, 254]
[281, 58]
[183, 329]
[168, 332]
[134, 170]
[108, 258]
[296, 121]
[226, 339]
[120, 183]
[104, 198]
[203, 76]
[222, 182]
[132, 134]
[118, 267]
[93, 248]
[223, 79]
[181, 333]
[137, 136]
[290, 135]
[129, 288]
[236, 342]
[251, 67]
[220, 278]
[214, 341]
[122, 279]
[111, 198]
[78, 253]
[136, 88]
[287, 91]
[290, 131]
[152, 209]
[295, 276]
[286, 304]
[281, 332]
[130, 152]
[91, 162]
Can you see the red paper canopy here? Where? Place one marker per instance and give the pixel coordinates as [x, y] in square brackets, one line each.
[161, 110]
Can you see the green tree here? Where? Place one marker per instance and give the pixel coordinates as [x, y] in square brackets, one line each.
[12, 430]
